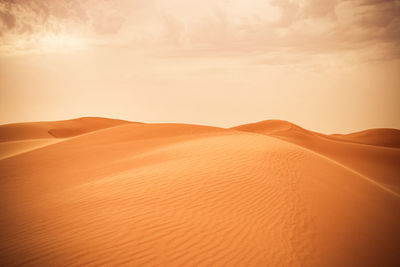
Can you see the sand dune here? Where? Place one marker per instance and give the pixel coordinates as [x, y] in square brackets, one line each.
[22, 137]
[377, 137]
[267, 194]
[55, 129]
[358, 151]
[12, 148]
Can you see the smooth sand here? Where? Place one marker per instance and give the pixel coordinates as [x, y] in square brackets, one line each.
[95, 191]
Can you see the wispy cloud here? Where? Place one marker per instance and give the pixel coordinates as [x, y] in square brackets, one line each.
[369, 28]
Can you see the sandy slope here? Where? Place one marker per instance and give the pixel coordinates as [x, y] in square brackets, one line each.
[378, 137]
[12, 148]
[22, 137]
[186, 195]
[55, 129]
[374, 153]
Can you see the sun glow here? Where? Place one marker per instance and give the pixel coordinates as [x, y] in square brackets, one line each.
[44, 43]
[60, 42]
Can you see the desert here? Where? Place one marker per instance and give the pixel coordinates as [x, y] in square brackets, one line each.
[95, 191]
[248, 133]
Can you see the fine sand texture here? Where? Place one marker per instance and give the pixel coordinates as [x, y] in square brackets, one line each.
[96, 191]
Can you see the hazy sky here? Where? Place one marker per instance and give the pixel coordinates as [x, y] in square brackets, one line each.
[327, 65]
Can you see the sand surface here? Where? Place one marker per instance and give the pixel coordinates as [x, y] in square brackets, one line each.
[95, 191]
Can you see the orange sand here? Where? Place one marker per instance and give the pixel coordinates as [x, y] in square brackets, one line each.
[96, 191]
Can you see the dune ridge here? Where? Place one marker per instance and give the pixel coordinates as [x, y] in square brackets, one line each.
[55, 129]
[18, 138]
[377, 137]
[267, 194]
[13, 148]
[378, 162]
[385, 137]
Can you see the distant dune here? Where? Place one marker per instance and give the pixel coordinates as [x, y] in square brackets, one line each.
[378, 137]
[22, 137]
[373, 153]
[57, 129]
[96, 191]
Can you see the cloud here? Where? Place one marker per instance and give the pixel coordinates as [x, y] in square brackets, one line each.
[369, 28]
[289, 12]
[60, 15]
[317, 8]
[7, 20]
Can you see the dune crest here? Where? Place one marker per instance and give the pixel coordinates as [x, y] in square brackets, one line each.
[13, 148]
[268, 194]
[376, 137]
[19, 138]
[55, 129]
[378, 162]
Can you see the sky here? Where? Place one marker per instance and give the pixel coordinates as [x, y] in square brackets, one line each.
[331, 66]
